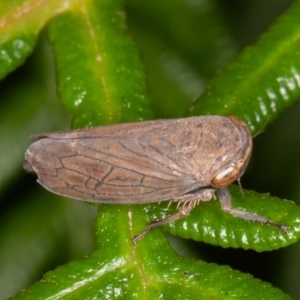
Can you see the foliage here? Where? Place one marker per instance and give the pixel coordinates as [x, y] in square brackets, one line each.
[100, 79]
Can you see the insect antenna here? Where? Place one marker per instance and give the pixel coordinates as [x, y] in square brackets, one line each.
[240, 185]
[262, 128]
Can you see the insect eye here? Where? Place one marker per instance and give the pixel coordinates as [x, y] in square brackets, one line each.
[225, 177]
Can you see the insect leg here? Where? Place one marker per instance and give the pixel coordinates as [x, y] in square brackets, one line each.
[183, 212]
[199, 195]
[189, 201]
[225, 200]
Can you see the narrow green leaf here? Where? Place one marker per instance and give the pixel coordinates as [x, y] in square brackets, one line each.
[100, 84]
[210, 224]
[150, 270]
[99, 74]
[263, 80]
[21, 21]
[15, 51]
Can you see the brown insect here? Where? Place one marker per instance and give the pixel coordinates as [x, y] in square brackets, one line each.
[185, 160]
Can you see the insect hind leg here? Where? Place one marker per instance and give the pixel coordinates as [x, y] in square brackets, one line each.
[225, 200]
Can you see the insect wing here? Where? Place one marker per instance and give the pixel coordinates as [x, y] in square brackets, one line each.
[120, 163]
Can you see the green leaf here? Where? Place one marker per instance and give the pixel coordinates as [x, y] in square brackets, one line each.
[209, 223]
[21, 21]
[262, 81]
[103, 80]
[151, 270]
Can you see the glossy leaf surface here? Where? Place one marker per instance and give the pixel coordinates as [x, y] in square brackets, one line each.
[263, 80]
[150, 270]
[210, 224]
[100, 79]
